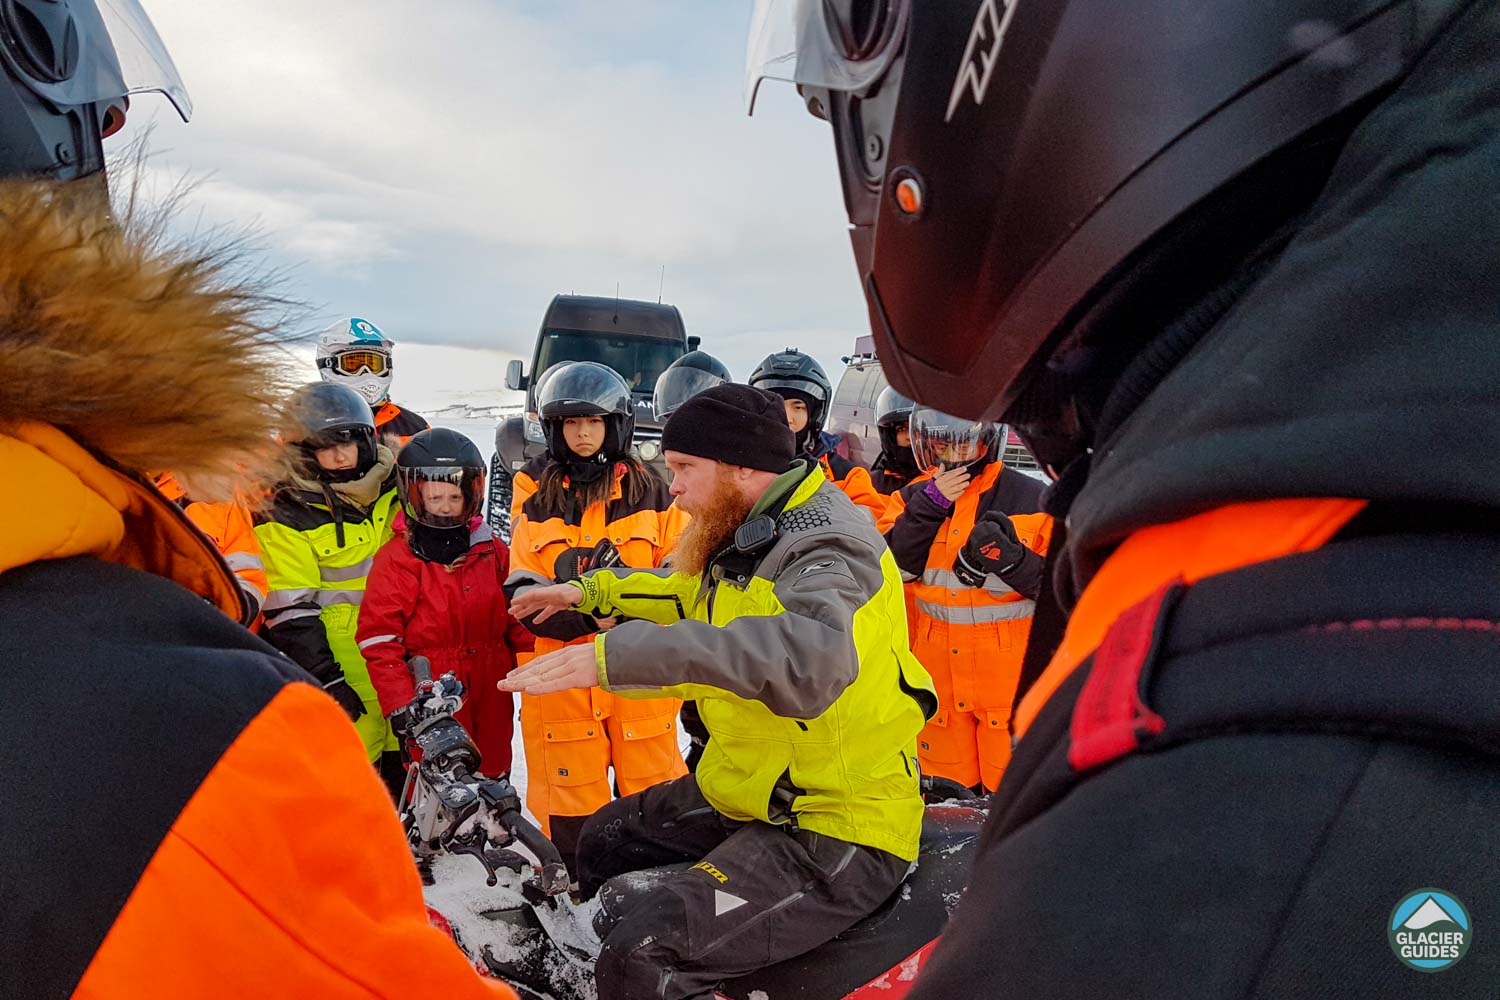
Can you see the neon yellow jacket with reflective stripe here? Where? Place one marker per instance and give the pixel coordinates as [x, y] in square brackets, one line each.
[800, 666]
[314, 578]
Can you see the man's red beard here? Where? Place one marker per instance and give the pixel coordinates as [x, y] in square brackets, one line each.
[712, 528]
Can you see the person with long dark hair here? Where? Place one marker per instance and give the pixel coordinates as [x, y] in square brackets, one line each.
[594, 504]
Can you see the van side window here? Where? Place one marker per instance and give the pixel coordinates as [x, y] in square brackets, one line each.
[851, 390]
[875, 384]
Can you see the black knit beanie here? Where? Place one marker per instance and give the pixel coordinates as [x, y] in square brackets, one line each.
[734, 424]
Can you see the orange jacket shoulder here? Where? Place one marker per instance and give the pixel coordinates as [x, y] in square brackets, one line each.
[1215, 541]
[286, 875]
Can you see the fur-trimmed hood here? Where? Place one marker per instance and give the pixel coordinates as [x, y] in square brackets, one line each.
[149, 355]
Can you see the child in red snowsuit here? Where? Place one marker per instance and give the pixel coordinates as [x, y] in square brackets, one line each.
[435, 591]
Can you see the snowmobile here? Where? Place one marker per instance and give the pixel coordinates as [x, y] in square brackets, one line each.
[521, 924]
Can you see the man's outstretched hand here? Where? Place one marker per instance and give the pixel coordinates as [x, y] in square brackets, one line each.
[560, 670]
[545, 602]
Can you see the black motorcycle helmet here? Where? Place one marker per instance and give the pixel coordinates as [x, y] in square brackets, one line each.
[892, 413]
[327, 415]
[794, 375]
[1036, 190]
[443, 456]
[684, 379]
[587, 389]
[69, 67]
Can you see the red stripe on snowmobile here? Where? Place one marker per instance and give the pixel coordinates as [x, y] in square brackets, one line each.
[895, 982]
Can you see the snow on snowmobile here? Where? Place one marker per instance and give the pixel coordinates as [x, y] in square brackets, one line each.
[520, 923]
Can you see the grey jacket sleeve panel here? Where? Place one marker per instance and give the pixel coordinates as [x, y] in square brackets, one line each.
[796, 662]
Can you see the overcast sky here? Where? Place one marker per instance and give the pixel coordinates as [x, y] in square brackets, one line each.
[443, 169]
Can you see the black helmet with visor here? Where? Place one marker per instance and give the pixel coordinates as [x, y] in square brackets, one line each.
[326, 416]
[440, 478]
[1036, 190]
[794, 375]
[70, 66]
[684, 379]
[445, 457]
[892, 415]
[586, 389]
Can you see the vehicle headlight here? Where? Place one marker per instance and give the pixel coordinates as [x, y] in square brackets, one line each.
[649, 451]
[534, 430]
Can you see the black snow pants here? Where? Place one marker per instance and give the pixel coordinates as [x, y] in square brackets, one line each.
[759, 893]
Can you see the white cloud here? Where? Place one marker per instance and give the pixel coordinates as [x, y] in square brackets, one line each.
[447, 167]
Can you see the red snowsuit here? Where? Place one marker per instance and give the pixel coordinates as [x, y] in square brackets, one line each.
[457, 617]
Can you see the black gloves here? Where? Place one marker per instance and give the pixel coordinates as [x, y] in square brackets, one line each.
[575, 562]
[400, 721]
[346, 697]
[993, 547]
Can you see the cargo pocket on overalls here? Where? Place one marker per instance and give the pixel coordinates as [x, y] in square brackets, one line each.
[946, 747]
[645, 747]
[577, 752]
[993, 739]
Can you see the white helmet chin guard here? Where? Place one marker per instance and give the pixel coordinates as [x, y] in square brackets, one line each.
[353, 352]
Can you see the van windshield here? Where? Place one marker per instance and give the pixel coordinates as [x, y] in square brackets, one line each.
[639, 360]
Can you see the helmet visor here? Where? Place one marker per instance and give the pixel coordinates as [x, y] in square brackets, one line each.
[840, 45]
[941, 440]
[119, 53]
[677, 385]
[334, 438]
[584, 389]
[441, 496]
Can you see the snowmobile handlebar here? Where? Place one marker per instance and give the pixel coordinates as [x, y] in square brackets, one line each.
[501, 805]
[939, 789]
[447, 804]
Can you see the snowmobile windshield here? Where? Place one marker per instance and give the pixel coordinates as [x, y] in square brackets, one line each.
[816, 43]
[441, 496]
[118, 53]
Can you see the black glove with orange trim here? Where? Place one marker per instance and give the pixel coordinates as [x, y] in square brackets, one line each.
[993, 547]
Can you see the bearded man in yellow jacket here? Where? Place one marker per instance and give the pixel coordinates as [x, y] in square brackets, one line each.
[783, 615]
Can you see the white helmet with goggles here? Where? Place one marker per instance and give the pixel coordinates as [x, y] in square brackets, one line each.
[355, 353]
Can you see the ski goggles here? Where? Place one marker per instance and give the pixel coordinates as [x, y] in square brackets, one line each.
[358, 362]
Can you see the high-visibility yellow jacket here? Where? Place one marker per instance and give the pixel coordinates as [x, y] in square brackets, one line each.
[318, 545]
[799, 662]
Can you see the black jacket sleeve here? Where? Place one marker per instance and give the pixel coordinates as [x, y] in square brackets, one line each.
[1026, 578]
[565, 626]
[305, 641]
[911, 537]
